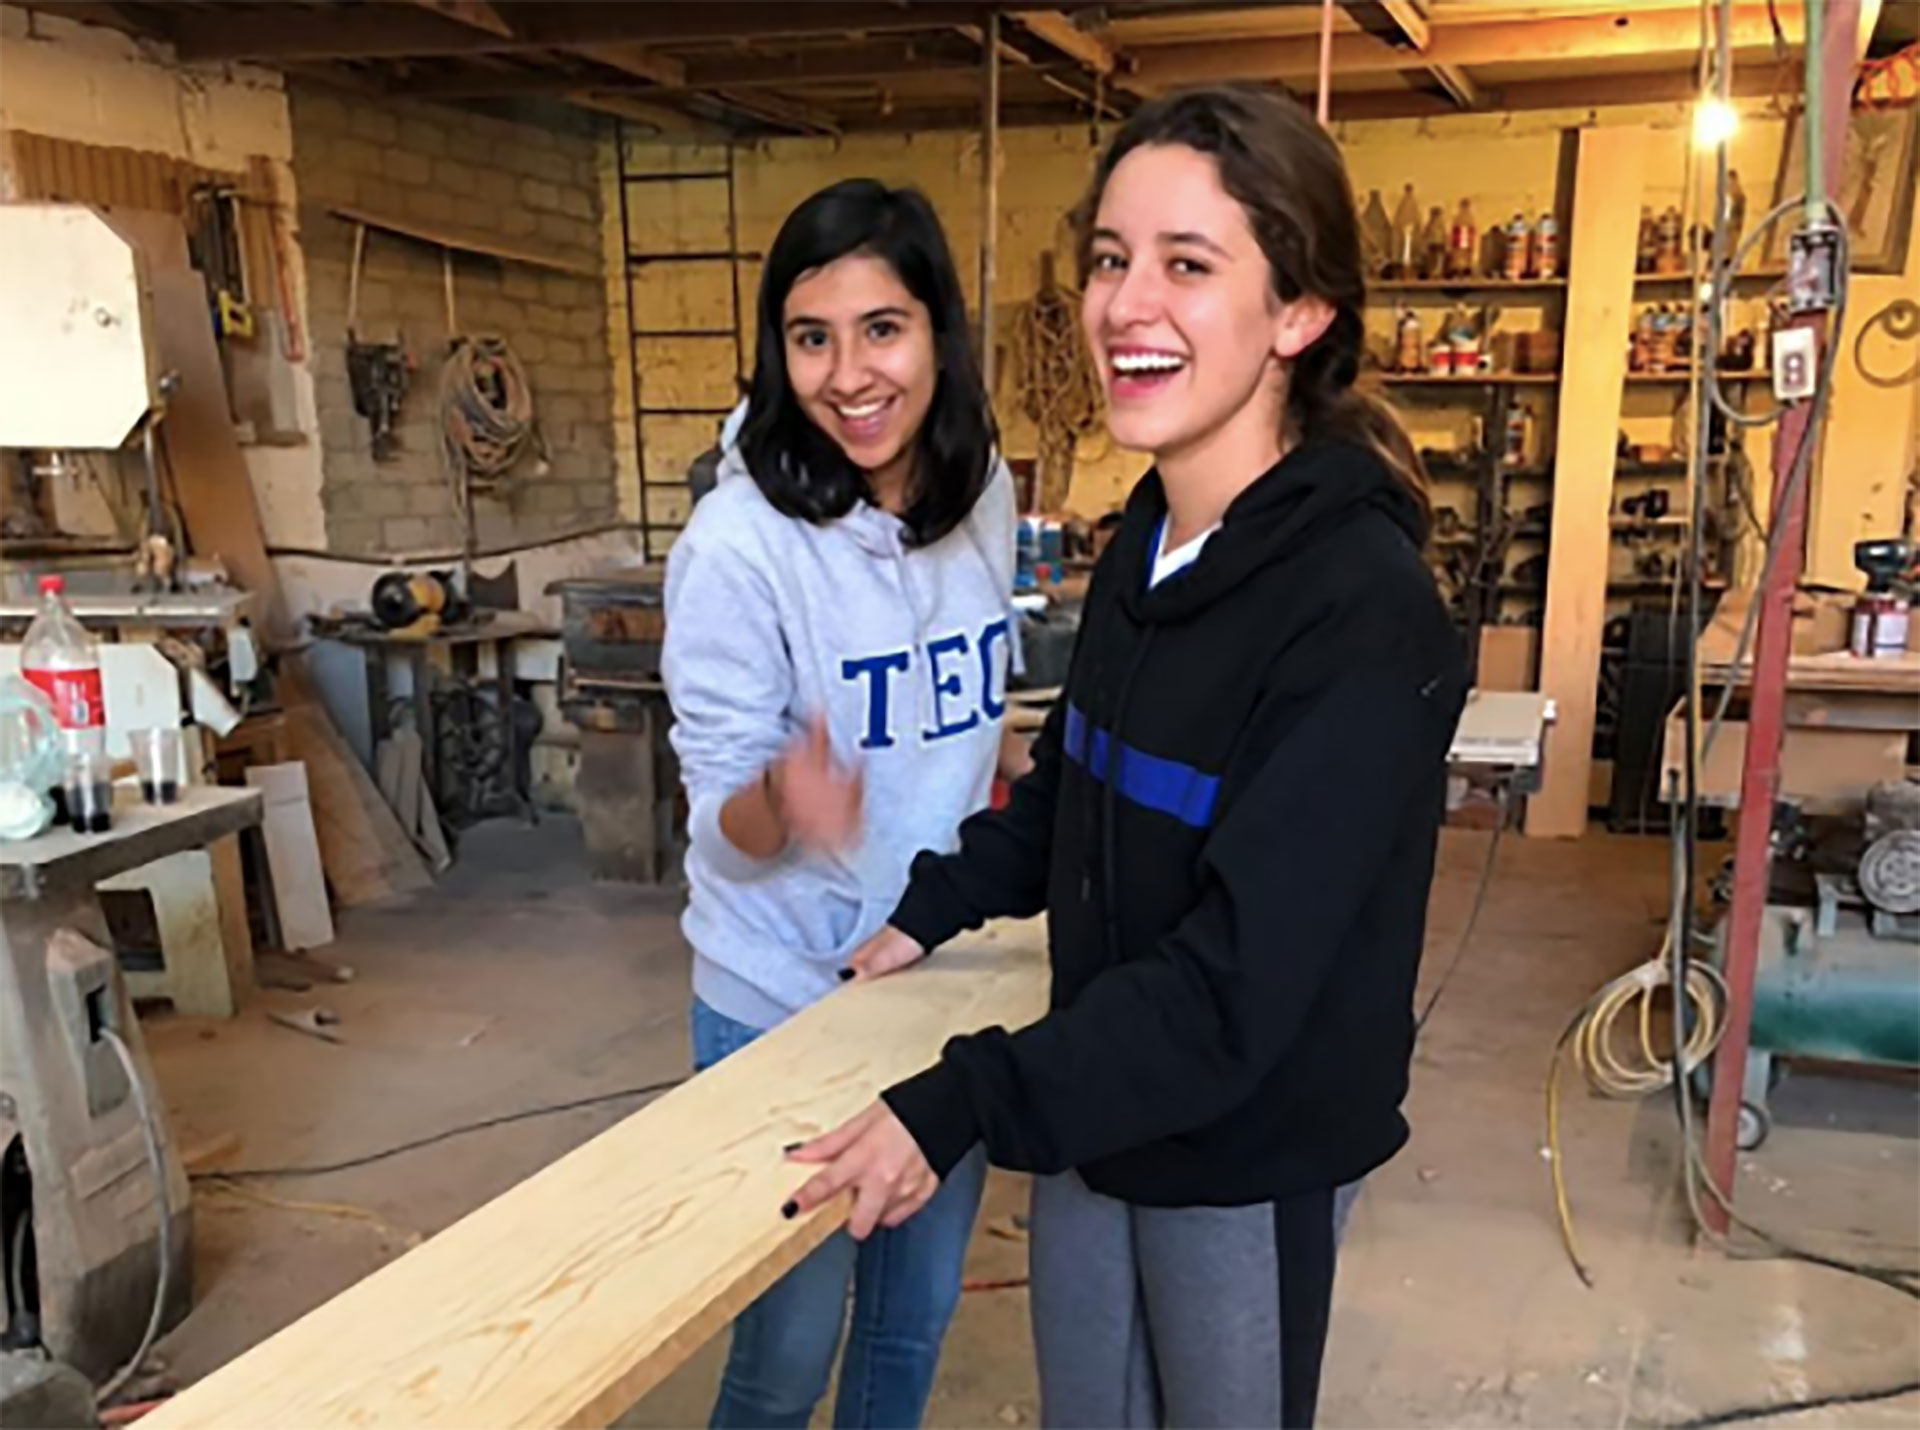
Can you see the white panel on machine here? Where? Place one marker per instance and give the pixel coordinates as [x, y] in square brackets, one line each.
[74, 367]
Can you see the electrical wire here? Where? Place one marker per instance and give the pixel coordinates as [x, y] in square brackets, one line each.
[322, 1169]
[486, 412]
[163, 1280]
[1747, 1413]
[1901, 319]
[1473, 922]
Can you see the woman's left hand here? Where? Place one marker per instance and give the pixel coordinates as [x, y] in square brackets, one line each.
[876, 1157]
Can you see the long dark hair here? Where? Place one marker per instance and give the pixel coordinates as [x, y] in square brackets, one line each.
[802, 470]
[1285, 171]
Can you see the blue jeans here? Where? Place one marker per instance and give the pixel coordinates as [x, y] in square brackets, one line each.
[906, 1285]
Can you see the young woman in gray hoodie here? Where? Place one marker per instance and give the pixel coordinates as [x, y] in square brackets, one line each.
[839, 635]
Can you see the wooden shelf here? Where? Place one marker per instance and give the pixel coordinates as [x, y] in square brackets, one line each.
[1468, 285]
[1685, 376]
[1685, 280]
[1673, 468]
[463, 241]
[1471, 379]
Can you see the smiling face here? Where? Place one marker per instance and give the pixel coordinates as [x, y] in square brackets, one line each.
[1191, 340]
[860, 357]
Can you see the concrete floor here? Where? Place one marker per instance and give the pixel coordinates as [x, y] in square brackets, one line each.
[518, 982]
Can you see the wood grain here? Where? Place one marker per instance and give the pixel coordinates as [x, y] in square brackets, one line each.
[566, 1299]
[1606, 216]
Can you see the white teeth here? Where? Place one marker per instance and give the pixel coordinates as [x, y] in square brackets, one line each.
[865, 410]
[1129, 363]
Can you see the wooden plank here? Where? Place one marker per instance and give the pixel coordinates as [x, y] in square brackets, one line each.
[477, 13]
[366, 854]
[1059, 31]
[293, 856]
[395, 32]
[1509, 656]
[1598, 37]
[636, 60]
[567, 1298]
[236, 934]
[209, 473]
[1606, 214]
[444, 236]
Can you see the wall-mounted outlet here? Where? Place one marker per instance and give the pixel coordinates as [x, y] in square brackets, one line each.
[1796, 363]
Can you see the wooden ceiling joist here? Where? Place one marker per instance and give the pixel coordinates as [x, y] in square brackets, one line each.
[636, 60]
[478, 13]
[219, 32]
[880, 60]
[1625, 35]
[1054, 27]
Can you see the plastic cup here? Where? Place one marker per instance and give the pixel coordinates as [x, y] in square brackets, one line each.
[89, 786]
[156, 752]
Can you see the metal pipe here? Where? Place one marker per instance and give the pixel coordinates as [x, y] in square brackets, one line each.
[1796, 444]
[1324, 108]
[989, 191]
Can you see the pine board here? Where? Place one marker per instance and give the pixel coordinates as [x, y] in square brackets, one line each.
[1606, 218]
[567, 1298]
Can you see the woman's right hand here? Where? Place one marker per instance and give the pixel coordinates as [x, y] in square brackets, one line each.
[816, 801]
[886, 952]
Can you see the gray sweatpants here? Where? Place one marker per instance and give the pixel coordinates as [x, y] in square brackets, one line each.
[1187, 1316]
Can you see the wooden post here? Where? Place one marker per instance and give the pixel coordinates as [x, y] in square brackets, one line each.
[1773, 645]
[1606, 226]
[989, 191]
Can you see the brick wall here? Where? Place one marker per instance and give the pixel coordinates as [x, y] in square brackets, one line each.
[527, 185]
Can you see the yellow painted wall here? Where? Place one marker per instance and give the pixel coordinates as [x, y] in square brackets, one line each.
[1501, 162]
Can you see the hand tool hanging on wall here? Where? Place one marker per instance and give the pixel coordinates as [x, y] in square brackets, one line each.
[377, 373]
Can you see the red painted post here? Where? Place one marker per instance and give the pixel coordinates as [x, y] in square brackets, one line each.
[1773, 645]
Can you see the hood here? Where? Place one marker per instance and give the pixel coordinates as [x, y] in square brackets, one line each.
[874, 531]
[1315, 487]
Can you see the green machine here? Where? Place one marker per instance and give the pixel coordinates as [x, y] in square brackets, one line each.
[1840, 980]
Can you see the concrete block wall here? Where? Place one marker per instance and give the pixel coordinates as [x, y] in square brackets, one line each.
[526, 185]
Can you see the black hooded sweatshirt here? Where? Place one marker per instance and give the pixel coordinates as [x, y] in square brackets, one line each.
[1231, 823]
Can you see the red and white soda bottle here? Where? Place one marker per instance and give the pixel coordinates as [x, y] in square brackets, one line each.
[62, 661]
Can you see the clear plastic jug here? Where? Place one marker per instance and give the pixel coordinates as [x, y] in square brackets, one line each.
[30, 759]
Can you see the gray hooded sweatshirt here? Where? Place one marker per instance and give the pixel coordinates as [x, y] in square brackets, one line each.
[773, 621]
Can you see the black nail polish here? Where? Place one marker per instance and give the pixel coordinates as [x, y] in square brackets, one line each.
[790, 1210]
[793, 1147]
[846, 975]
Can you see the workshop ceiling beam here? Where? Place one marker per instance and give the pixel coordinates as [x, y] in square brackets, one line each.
[1632, 35]
[636, 60]
[1057, 30]
[478, 13]
[1458, 86]
[1397, 22]
[216, 32]
[1667, 87]
[881, 60]
[776, 110]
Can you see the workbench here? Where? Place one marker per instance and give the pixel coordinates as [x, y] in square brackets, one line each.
[183, 855]
[1848, 725]
[485, 780]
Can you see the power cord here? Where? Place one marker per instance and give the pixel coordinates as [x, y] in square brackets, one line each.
[1473, 922]
[323, 1169]
[150, 1134]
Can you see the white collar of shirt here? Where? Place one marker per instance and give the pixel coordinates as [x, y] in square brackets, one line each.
[1170, 563]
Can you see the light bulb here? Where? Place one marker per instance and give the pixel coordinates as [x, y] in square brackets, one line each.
[1714, 123]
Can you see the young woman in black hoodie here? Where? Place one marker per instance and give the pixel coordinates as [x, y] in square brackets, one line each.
[1232, 815]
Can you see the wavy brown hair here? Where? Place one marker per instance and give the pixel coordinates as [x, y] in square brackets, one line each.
[1285, 171]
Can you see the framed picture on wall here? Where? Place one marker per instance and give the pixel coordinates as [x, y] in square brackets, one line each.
[1874, 188]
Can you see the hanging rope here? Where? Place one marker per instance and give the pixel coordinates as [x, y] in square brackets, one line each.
[1058, 391]
[486, 413]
